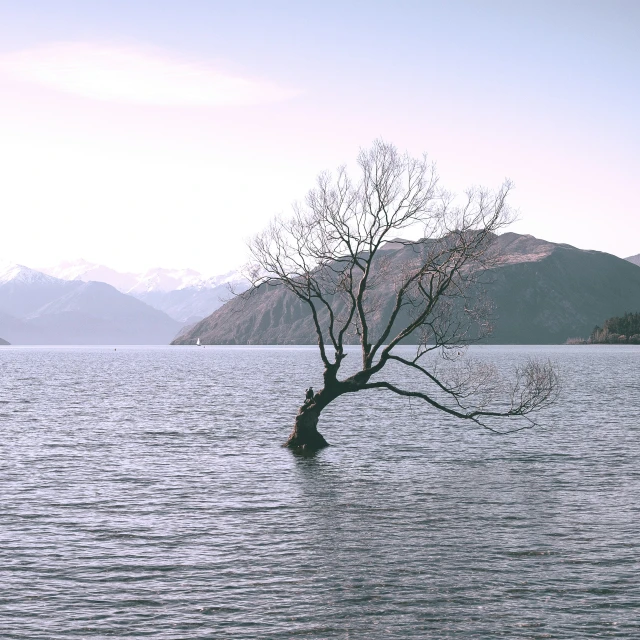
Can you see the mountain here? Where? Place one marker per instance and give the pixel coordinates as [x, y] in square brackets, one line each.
[543, 292]
[564, 294]
[164, 280]
[3, 342]
[97, 312]
[133, 283]
[186, 295]
[634, 259]
[91, 272]
[24, 290]
[190, 304]
[36, 308]
[183, 294]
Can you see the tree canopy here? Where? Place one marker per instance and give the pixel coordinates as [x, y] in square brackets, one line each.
[619, 329]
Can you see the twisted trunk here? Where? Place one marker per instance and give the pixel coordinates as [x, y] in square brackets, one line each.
[305, 436]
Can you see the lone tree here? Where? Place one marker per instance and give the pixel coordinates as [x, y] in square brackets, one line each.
[331, 254]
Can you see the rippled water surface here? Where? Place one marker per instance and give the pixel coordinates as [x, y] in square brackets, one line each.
[144, 493]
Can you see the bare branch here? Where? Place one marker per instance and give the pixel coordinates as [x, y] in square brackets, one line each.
[333, 254]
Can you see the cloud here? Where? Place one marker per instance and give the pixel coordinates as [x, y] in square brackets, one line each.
[135, 76]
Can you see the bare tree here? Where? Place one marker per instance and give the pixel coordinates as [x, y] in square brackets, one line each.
[331, 254]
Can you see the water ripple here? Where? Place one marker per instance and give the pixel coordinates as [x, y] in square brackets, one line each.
[144, 494]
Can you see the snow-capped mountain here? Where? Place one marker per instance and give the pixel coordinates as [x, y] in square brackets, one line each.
[36, 308]
[89, 271]
[185, 295]
[24, 290]
[165, 280]
[157, 279]
[10, 272]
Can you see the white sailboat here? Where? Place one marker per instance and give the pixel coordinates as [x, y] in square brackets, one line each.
[198, 343]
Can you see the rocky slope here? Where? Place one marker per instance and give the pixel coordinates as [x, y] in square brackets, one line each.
[543, 294]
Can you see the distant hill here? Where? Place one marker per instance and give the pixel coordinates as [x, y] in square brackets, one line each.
[543, 293]
[635, 259]
[3, 342]
[40, 309]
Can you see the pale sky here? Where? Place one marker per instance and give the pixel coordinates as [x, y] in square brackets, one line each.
[155, 133]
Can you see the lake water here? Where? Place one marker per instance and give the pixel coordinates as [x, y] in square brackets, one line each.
[144, 493]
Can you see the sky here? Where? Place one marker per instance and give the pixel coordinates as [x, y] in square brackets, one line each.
[165, 133]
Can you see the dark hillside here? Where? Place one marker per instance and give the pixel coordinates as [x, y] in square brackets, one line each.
[562, 295]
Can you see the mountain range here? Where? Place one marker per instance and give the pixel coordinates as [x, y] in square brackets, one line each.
[36, 308]
[184, 294]
[543, 292]
[83, 305]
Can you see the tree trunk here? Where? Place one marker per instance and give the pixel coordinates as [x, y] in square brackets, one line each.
[305, 435]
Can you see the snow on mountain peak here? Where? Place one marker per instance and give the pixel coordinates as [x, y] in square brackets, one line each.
[20, 273]
[89, 271]
[71, 270]
[167, 280]
[185, 295]
[153, 280]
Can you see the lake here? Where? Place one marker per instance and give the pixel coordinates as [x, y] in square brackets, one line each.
[145, 493]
